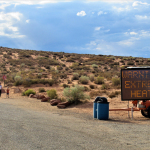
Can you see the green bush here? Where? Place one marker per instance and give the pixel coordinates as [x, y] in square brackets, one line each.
[41, 90]
[75, 94]
[116, 81]
[65, 85]
[84, 79]
[92, 78]
[75, 76]
[99, 80]
[17, 78]
[29, 91]
[52, 93]
[17, 83]
[94, 66]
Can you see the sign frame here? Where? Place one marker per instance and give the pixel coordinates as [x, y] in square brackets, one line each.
[128, 69]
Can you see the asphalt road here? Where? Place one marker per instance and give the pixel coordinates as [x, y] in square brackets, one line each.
[27, 129]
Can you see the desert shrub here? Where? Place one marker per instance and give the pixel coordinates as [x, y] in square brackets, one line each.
[92, 78]
[116, 81]
[99, 80]
[94, 66]
[41, 90]
[69, 81]
[130, 63]
[92, 86]
[17, 83]
[17, 78]
[84, 79]
[75, 94]
[86, 88]
[52, 93]
[29, 91]
[65, 85]
[75, 76]
[105, 87]
[114, 94]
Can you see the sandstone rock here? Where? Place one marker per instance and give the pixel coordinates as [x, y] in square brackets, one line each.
[45, 99]
[31, 95]
[40, 96]
[54, 102]
[63, 104]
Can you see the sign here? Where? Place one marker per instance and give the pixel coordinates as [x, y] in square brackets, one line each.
[4, 77]
[135, 84]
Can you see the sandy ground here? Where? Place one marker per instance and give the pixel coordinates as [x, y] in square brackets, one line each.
[83, 108]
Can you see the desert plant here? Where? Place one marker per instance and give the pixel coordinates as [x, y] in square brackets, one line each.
[52, 93]
[92, 78]
[84, 79]
[41, 90]
[75, 94]
[99, 80]
[65, 85]
[94, 66]
[116, 81]
[29, 91]
[75, 76]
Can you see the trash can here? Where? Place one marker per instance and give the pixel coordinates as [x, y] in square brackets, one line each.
[95, 106]
[103, 109]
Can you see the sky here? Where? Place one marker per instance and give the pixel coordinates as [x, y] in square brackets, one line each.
[107, 27]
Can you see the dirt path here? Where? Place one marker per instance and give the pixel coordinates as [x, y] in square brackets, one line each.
[29, 124]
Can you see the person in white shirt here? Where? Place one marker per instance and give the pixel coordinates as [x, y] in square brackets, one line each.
[0, 89]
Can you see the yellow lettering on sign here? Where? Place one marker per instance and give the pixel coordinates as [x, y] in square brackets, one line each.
[133, 84]
[144, 92]
[138, 83]
[138, 93]
[146, 73]
[133, 94]
[141, 73]
[144, 84]
[135, 73]
[126, 84]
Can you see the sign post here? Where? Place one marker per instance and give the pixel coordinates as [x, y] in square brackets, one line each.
[4, 78]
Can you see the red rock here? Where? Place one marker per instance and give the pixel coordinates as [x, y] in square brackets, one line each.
[40, 96]
[45, 99]
[55, 102]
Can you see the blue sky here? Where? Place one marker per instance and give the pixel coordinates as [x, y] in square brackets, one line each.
[108, 27]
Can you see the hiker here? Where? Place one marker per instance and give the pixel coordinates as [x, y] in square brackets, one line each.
[7, 92]
[0, 89]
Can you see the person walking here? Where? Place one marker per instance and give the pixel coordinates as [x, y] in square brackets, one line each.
[7, 92]
[0, 89]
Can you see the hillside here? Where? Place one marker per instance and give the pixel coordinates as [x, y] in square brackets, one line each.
[99, 74]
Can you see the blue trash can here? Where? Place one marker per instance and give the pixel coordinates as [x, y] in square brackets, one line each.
[102, 110]
[95, 110]
[95, 106]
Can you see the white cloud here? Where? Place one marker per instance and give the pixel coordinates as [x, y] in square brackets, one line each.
[101, 12]
[3, 6]
[81, 13]
[27, 21]
[141, 17]
[128, 42]
[137, 3]
[119, 9]
[93, 12]
[98, 28]
[133, 33]
[6, 27]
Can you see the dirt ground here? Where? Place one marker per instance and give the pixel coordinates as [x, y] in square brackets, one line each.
[84, 108]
